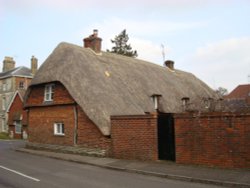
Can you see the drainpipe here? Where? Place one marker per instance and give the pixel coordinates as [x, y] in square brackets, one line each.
[76, 123]
[28, 122]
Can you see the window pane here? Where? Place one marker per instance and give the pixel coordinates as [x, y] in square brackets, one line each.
[51, 96]
[46, 89]
[62, 128]
[47, 96]
[21, 85]
[48, 93]
[18, 127]
[59, 128]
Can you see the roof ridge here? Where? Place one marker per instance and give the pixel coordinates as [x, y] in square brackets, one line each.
[17, 68]
[15, 72]
[120, 85]
[7, 72]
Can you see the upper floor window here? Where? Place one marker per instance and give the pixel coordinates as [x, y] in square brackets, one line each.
[21, 85]
[4, 87]
[49, 92]
[3, 103]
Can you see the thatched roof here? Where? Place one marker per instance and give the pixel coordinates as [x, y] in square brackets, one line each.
[108, 84]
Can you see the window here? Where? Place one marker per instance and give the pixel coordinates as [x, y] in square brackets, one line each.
[18, 127]
[4, 86]
[4, 128]
[21, 85]
[3, 103]
[49, 92]
[58, 129]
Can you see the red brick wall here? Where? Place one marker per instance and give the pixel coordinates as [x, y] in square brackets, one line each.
[26, 82]
[17, 136]
[41, 124]
[89, 134]
[61, 95]
[12, 129]
[134, 137]
[16, 110]
[213, 139]
[42, 117]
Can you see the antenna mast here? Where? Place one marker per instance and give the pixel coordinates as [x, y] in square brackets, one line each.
[163, 53]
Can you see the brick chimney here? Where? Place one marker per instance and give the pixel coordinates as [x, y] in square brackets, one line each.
[8, 64]
[169, 64]
[33, 65]
[93, 42]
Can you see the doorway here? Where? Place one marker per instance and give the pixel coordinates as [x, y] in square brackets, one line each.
[166, 137]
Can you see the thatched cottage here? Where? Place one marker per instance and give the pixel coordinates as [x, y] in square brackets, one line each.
[79, 92]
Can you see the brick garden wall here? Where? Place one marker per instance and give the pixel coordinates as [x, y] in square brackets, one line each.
[213, 139]
[134, 137]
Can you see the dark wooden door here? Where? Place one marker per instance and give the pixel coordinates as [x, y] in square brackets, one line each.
[166, 137]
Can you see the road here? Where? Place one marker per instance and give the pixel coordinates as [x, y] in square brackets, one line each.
[22, 170]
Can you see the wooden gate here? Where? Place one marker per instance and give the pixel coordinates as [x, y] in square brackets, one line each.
[166, 137]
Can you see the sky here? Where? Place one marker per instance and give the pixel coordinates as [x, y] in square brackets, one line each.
[209, 38]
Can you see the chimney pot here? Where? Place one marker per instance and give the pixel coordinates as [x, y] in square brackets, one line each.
[93, 42]
[170, 64]
[95, 32]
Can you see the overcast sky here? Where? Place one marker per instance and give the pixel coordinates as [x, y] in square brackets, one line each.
[209, 38]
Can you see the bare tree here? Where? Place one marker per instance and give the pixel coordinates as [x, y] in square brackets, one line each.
[221, 91]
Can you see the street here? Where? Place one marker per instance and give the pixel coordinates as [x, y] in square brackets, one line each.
[22, 170]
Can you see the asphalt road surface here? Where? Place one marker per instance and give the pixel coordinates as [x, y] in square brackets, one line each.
[21, 170]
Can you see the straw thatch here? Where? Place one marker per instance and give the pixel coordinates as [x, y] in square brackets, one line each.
[108, 84]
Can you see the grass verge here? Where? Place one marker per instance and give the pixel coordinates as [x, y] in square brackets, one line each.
[4, 136]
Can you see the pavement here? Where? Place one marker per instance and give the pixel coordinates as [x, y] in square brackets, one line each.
[163, 169]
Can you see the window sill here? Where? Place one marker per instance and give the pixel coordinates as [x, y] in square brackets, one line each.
[59, 134]
[48, 102]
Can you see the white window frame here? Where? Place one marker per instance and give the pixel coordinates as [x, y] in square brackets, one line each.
[59, 129]
[21, 85]
[18, 126]
[49, 92]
